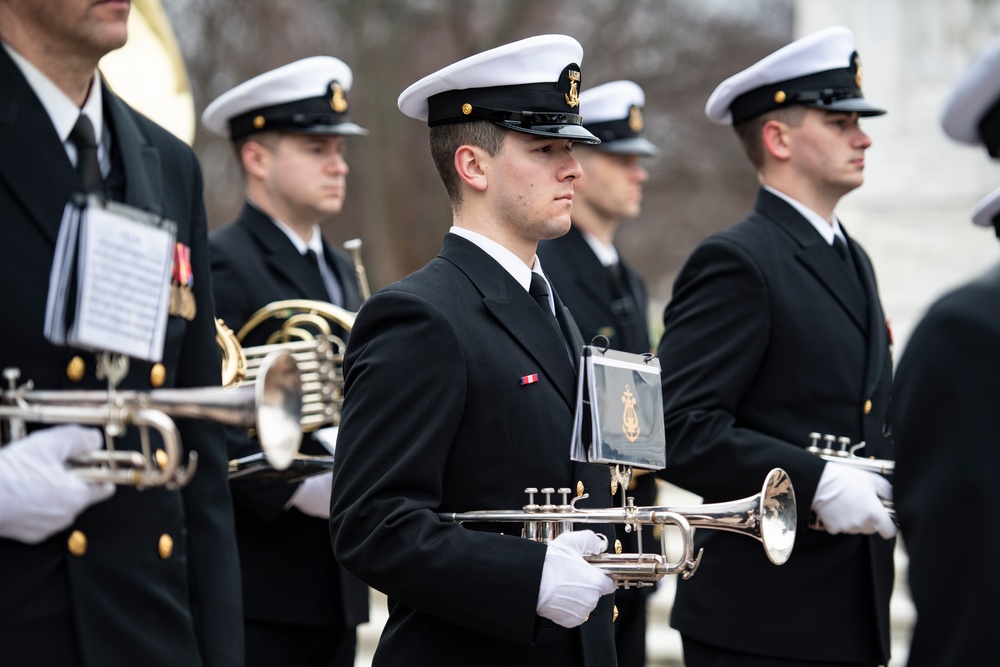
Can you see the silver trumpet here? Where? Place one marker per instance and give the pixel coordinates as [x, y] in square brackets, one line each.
[271, 406]
[768, 517]
[845, 453]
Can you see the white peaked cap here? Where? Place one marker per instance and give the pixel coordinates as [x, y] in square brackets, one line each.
[987, 209]
[975, 96]
[308, 96]
[613, 111]
[531, 86]
[820, 70]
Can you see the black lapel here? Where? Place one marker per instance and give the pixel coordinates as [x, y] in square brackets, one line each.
[516, 311]
[878, 337]
[817, 256]
[140, 158]
[591, 275]
[283, 258]
[33, 161]
[570, 329]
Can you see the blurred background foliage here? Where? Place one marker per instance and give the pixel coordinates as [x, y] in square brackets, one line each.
[677, 50]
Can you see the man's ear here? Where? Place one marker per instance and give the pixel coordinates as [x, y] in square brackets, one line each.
[470, 164]
[775, 139]
[254, 157]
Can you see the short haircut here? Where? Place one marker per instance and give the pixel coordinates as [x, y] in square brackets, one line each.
[749, 131]
[445, 140]
[268, 140]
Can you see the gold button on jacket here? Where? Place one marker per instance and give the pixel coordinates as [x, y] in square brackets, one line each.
[157, 375]
[166, 546]
[75, 369]
[77, 543]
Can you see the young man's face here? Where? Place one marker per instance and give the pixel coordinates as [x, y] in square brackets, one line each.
[611, 185]
[531, 185]
[307, 174]
[828, 148]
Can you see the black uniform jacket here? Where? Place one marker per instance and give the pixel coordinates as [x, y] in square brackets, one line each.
[159, 580]
[289, 574]
[768, 337]
[440, 417]
[947, 427]
[583, 285]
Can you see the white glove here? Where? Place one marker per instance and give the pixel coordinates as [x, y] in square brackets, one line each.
[39, 496]
[571, 587]
[849, 500]
[313, 495]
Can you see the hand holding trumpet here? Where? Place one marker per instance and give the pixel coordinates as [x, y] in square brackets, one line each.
[852, 496]
[570, 586]
[849, 500]
[39, 494]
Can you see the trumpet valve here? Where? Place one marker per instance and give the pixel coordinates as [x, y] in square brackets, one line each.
[844, 443]
[531, 507]
[814, 443]
[565, 507]
[828, 441]
[548, 506]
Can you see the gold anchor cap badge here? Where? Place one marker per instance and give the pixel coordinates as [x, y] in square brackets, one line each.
[338, 102]
[573, 96]
[630, 418]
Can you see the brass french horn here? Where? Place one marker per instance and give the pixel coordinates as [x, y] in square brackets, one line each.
[307, 331]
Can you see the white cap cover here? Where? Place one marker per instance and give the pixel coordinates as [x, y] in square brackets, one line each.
[821, 70]
[308, 96]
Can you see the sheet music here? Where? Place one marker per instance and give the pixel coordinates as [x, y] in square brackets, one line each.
[120, 259]
[63, 263]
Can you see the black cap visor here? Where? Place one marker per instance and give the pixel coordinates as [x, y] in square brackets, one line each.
[344, 128]
[856, 105]
[630, 146]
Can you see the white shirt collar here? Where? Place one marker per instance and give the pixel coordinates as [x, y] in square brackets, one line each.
[823, 226]
[505, 258]
[607, 254]
[61, 110]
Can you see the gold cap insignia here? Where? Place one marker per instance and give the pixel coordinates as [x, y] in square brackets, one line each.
[338, 101]
[857, 70]
[466, 109]
[780, 96]
[573, 96]
[258, 122]
[635, 121]
[630, 418]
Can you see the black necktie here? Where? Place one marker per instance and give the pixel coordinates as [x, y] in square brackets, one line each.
[87, 166]
[312, 259]
[621, 303]
[539, 290]
[841, 247]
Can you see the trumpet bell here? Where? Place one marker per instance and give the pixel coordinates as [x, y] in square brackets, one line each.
[778, 516]
[279, 411]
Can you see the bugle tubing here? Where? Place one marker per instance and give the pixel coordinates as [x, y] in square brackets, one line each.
[769, 517]
[271, 406]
